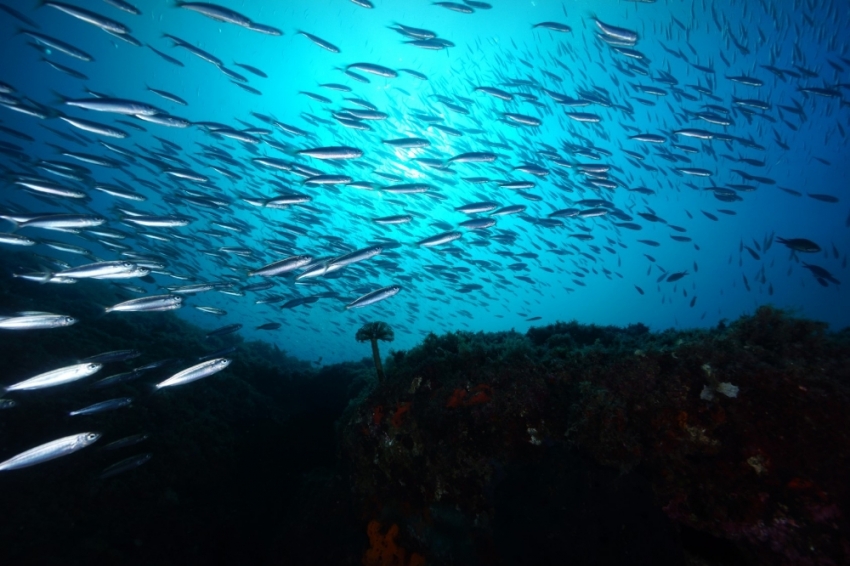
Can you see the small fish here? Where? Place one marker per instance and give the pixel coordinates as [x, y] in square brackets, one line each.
[228, 329]
[55, 377]
[199, 371]
[374, 297]
[50, 450]
[104, 23]
[36, 321]
[125, 465]
[800, 245]
[108, 405]
[211, 310]
[334, 152]
[269, 326]
[126, 441]
[283, 266]
[114, 356]
[320, 42]
[154, 303]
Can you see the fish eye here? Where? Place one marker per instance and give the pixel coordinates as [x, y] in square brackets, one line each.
[69, 319]
[93, 366]
[92, 436]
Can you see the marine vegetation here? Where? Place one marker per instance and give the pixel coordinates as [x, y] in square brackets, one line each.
[372, 332]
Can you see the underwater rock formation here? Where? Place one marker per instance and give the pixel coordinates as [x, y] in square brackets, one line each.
[762, 463]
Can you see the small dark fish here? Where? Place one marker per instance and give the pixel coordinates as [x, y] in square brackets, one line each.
[823, 197]
[114, 356]
[320, 42]
[109, 405]
[269, 326]
[228, 329]
[167, 57]
[127, 441]
[125, 465]
[251, 69]
[800, 245]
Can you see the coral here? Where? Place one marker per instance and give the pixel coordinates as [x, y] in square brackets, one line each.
[481, 393]
[398, 416]
[372, 332]
[383, 550]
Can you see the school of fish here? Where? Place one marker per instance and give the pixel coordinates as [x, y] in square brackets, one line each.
[501, 180]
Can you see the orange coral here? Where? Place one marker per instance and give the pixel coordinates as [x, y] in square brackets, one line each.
[456, 400]
[398, 417]
[481, 393]
[383, 550]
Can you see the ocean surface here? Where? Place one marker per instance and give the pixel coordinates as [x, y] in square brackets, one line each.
[290, 171]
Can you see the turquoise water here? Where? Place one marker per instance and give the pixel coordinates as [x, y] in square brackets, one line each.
[493, 279]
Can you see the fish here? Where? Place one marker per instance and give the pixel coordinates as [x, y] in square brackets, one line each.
[58, 376]
[283, 266]
[198, 371]
[228, 329]
[36, 321]
[127, 441]
[374, 297]
[104, 23]
[320, 42]
[50, 450]
[800, 245]
[107, 405]
[153, 303]
[553, 26]
[125, 465]
[333, 152]
[216, 12]
[58, 45]
[113, 356]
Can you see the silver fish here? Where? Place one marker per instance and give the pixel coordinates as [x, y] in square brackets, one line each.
[374, 297]
[37, 321]
[100, 269]
[103, 406]
[153, 303]
[283, 266]
[50, 450]
[56, 377]
[195, 372]
[102, 22]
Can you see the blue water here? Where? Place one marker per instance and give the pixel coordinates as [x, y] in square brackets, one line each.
[591, 281]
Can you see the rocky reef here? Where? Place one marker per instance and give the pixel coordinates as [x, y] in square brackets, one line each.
[728, 445]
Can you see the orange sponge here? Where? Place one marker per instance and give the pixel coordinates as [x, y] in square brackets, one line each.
[383, 550]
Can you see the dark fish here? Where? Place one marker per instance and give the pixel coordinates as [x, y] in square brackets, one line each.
[320, 42]
[114, 356]
[125, 465]
[227, 329]
[126, 441]
[823, 197]
[800, 245]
